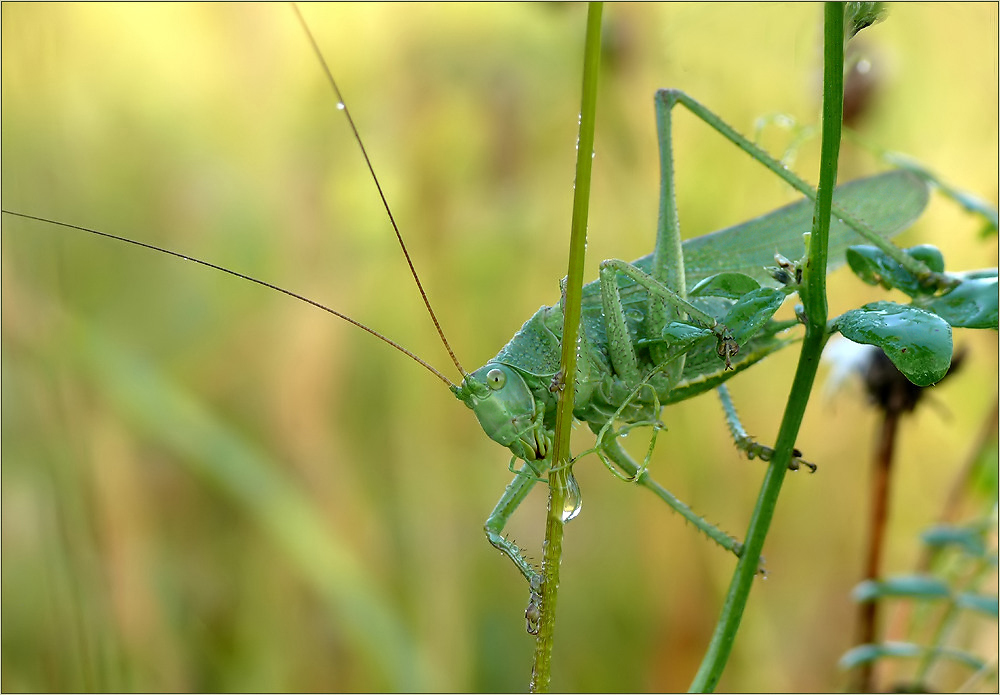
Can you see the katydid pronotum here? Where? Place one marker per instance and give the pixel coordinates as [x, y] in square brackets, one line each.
[188, 332]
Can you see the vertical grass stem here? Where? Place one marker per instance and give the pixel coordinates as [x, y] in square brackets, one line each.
[552, 547]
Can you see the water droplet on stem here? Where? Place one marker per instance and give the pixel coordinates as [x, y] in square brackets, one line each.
[573, 501]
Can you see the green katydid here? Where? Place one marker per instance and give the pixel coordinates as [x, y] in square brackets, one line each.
[644, 345]
[796, 249]
[634, 360]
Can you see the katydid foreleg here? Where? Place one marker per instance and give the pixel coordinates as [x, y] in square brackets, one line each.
[515, 493]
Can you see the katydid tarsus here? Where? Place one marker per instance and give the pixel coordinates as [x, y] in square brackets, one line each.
[793, 252]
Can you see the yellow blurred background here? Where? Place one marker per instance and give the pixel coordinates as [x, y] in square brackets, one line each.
[209, 486]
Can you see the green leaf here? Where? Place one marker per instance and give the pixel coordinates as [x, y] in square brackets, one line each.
[872, 652]
[968, 539]
[680, 337]
[987, 605]
[903, 586]
[973, 304]
[874, 267]
[728, 285]
[917, 341]
[930, 255]
[906, 650]
[751, 312]
[679, 333]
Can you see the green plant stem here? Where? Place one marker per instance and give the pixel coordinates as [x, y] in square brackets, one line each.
[541, 671]
[813, 296]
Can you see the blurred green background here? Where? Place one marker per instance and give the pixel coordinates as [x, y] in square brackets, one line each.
[209, 486]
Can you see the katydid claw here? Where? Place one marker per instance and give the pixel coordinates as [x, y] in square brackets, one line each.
[558, 383]
[727, 348]
[753, 450]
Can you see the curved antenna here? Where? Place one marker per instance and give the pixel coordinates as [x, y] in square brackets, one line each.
[316, 304]
[342, 105]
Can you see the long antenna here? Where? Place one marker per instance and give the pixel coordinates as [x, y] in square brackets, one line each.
[316, 304]
[342, 105]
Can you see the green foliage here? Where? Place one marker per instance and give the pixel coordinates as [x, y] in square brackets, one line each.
[972, 304]
[907, 650]
[874, 267]
[917, 341]
[970, 301]
[917, 338]
[728, 285]
[958, 592]
[906, 586]
[751, 311]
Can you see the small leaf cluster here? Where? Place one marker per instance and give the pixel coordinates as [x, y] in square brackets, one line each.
[917, 337]
[961, 588]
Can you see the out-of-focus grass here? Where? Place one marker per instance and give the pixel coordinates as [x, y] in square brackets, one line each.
[208, 486]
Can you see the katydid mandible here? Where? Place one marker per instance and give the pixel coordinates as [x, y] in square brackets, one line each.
[645, 341]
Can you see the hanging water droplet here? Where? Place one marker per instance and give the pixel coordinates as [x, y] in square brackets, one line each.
[573, 501]
[341, 106]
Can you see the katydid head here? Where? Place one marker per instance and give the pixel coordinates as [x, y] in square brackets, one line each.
[505, 407]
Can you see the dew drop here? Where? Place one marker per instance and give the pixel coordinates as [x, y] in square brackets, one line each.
[573, 501]
[341, 106]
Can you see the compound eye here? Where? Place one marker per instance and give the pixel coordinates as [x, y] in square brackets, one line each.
[495, 378]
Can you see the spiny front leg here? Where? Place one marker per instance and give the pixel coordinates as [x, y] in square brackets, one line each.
[511, 499]
[746, 443]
